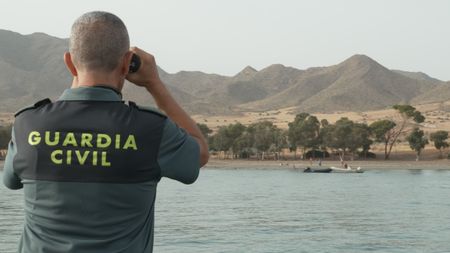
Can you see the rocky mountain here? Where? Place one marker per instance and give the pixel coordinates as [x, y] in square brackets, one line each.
[358, 83]
[417, 75]
[31, 68]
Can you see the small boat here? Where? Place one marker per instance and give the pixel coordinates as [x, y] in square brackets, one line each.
[317, 170]
[346, 170]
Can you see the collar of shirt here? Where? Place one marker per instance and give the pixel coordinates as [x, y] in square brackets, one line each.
[95, 93]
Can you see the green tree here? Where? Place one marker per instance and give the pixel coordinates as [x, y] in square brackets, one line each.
[346, 136]
[204, 129]
[301, 116]
[265, 134]
[280, 137]
[225, 137]
[311, 131]
[294, 133]
[409, 112]
[243, 145]
[361, 133]
[417, 141]
[407, 119]
[304, 132]
[324, 133]
[339, 136]
[5, 136]
[383, 130]
[220, 141]
[440, 141]
[324, 123]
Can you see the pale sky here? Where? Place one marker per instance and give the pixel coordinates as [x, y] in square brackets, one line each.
[225, 36]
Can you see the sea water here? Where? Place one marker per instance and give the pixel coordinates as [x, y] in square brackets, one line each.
[276, 210]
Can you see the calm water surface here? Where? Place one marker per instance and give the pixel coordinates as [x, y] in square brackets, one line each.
[289, 211]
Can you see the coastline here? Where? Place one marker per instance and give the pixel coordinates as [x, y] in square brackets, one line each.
[442, 164]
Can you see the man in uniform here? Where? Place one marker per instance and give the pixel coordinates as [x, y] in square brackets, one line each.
[89, 163]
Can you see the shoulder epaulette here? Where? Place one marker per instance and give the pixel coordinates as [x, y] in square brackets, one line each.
[36, 105]
[146, 109]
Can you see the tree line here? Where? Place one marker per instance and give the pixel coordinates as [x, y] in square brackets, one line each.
[5, 136]
[314, 138]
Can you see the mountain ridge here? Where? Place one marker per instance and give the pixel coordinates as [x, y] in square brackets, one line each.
[31, 67]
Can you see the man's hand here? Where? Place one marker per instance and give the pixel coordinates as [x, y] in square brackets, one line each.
[147, 76]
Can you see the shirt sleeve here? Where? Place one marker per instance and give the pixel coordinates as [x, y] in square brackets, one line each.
[179, 154]
[10, 179]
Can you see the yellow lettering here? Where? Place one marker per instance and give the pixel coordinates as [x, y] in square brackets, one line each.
[86, 139]
[105, 143]
[81, 158]
[53, 157]
[130, 143]
[70, 140]
[117, 141]
[69, 157]
[104, 162]
[55, 140]
[94, 158]
[34, 138]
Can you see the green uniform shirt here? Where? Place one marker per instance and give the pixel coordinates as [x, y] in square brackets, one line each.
[99, 217]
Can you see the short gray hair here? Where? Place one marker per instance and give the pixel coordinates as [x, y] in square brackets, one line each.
[98, 41]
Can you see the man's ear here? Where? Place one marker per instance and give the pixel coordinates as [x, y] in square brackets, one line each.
[125, 66]
[69, 64]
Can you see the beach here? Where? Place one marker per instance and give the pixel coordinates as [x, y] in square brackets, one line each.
[442, 164]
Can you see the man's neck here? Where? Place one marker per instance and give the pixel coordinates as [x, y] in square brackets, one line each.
[91, 80]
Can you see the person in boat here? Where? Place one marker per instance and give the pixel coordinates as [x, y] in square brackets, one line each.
[89, 163]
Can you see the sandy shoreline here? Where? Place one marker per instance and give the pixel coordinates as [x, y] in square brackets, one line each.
[443, 164]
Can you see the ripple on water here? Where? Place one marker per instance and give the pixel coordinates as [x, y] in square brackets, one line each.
[288, 211]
